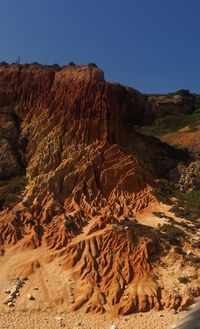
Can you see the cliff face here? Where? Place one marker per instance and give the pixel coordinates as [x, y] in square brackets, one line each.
[67, 128]
[71, 133]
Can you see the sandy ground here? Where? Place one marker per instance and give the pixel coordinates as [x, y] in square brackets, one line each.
[44, 320]
[43, 313]
[149, 217]
[51, 290]
[46, 284]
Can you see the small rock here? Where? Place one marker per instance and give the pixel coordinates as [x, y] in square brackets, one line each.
[58, 318]
[11, 304]
[114, 326]
[11, 309]
[35, 288]
[189, 253]
[13, 293]
[30, 297]
[7, 291]
[19, 283]
[174, 311]
[9, 300]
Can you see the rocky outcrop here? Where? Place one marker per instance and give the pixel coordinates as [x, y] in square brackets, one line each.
[66, 127]
[170, 104]
[189, 176]
[119, 260]
[86, 168]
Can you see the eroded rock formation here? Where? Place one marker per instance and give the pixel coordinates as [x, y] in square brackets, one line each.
[74, 141]
[86, 179]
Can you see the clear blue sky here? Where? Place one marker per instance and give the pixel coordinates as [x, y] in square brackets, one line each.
[152, 45]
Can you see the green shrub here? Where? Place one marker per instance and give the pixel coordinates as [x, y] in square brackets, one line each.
[182, 92]
[183, 279]
[72, 64]
[164, 190]
[11, 198]
[56, 65]
[3, 63]
[179, 211]
[11, 190]
[193, 259]
[188, 203]
[35, 63]
[189, 199]
[171, 123]
[93, 64]
[15, 184]
[172, 230]
[193, 199]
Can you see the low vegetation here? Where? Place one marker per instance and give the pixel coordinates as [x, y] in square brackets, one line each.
[172, 231]
[172, 123]
[56, 65]
[11, 190]
[3, 63]
[189, 201]
[164, 191]
[72, 64]
[93, 64]
[184, 279]
[193, 259]
[184, 204]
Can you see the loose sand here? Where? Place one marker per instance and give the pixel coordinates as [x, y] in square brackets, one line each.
[50, 309]
[51, 320]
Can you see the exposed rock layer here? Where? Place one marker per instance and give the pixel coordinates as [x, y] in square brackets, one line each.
[70, 130]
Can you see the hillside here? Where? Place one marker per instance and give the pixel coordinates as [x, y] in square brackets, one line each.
[175, 118]
[80, 212]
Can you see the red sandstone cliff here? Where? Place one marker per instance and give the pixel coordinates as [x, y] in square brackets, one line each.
[68, 130]
[72, 141]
